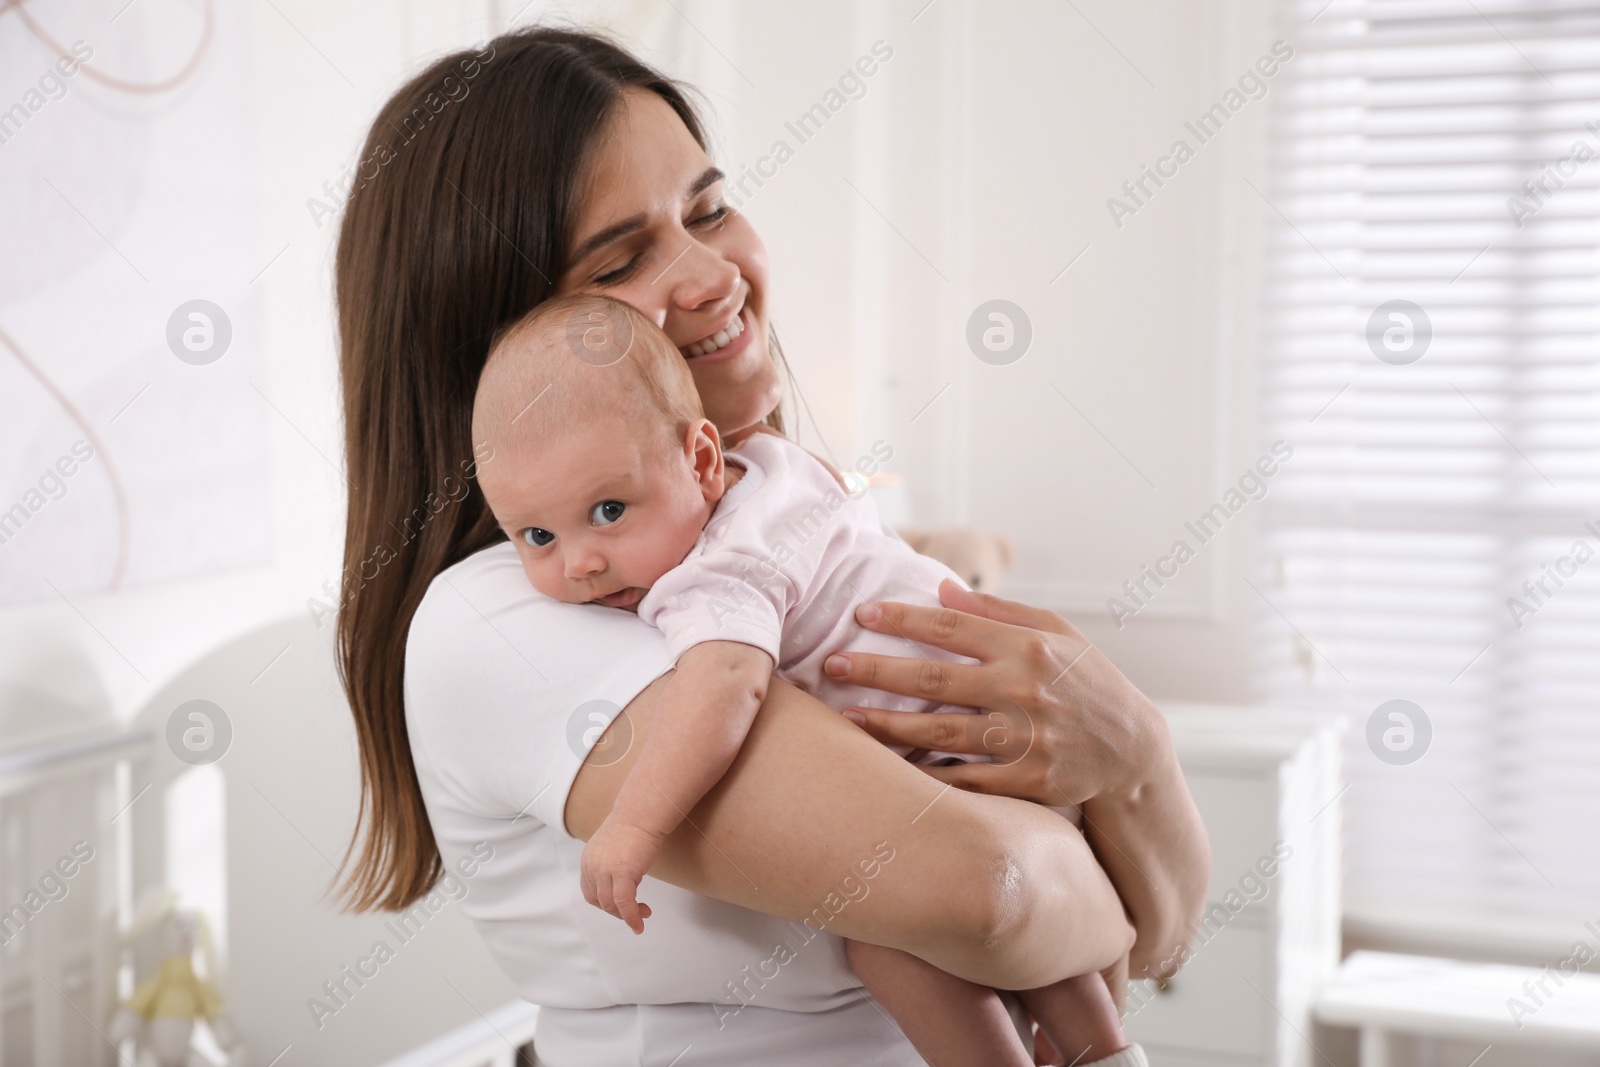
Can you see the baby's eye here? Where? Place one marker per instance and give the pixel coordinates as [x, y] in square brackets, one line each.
[607, 512]
[536, 537]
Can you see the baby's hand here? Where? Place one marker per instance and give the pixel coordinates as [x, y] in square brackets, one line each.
[614, 861]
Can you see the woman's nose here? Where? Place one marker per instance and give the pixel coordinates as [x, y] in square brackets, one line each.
[701, 276]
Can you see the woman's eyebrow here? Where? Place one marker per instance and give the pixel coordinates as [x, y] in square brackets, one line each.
[705, 181]
[633, 223]
[607, 235]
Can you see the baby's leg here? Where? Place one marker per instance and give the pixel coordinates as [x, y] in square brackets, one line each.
[1079, 1017]
[950, 1021]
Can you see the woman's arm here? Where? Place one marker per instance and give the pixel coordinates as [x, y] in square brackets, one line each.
[1151, 842]
[816, 822]
[1064, 726]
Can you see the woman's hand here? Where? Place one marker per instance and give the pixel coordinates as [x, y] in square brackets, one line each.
[1060, 721]
[1063, 725]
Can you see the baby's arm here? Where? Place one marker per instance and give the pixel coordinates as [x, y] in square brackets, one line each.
[706, 710]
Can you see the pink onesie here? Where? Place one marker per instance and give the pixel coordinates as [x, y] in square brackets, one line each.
[783, 564]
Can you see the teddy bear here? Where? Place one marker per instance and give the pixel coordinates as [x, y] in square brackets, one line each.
[161, 1015]
[979, 557]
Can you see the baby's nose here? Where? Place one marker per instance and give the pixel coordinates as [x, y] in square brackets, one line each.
[584, 564]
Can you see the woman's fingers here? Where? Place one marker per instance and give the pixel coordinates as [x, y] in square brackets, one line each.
[999, 779]
[966, 684]
[942, 733]
[947, 628]
[1019, 764]
[974, 625]
[973, 777]
[1005, 737]
[992, 607]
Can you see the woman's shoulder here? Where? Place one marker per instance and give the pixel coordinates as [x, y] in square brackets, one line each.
[774, 453]
[458, 610]
[780, 470]
[497, 675]
[485, 602]
[489, 579]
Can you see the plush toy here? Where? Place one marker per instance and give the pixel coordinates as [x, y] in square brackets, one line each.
[160, 1016]
[980, 558]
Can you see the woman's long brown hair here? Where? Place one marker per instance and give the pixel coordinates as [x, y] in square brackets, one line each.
[457, 224]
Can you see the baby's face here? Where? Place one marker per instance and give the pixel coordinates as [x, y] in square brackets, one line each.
[601, 513]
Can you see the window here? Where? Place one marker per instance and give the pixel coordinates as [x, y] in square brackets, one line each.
[1431, 334]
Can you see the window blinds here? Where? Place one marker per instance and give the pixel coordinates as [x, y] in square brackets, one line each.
[1430, 343]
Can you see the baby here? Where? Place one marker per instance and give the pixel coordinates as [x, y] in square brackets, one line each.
[616, 491]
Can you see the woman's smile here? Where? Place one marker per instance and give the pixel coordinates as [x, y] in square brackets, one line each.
[656, 234]
[726, 343]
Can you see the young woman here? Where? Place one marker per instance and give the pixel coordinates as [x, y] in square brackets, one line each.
[495, 726]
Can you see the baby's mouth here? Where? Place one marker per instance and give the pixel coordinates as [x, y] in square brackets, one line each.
[623, 598]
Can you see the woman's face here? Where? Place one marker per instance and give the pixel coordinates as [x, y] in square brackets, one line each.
[652, 229]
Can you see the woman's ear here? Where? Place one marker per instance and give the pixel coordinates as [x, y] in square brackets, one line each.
[702, 447]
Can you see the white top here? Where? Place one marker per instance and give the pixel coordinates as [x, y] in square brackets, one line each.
[506, 691]
[783, 564]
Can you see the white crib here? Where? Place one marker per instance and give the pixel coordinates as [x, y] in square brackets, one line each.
[63, 808]
[254, 839]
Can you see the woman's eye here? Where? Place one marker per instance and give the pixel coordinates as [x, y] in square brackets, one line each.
[715, 215]
[536, 537]
[615, 276]
[607, 512]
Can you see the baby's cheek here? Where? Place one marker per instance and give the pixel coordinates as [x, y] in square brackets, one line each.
[669, 551]
[660, 558]
[544, 579]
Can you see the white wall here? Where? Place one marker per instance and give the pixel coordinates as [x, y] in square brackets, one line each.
[977, 165]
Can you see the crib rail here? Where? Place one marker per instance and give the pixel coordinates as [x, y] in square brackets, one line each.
[25, 768]
[65, 869]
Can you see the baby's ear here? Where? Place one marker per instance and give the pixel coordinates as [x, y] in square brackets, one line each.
[703, 449]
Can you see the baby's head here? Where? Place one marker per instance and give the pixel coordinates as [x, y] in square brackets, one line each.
[604, 467]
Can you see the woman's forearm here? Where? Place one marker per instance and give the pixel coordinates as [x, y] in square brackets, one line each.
[995, 890]
[1152, 844]
[1057, 913]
